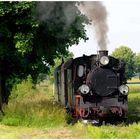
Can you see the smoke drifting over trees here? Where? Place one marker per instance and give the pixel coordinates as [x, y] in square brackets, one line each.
[94, 10]
[97, 13]
[52, 10]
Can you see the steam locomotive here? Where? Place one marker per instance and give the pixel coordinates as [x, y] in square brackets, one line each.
[93, 87]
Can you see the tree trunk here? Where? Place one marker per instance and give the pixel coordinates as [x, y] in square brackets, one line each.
[3, 93]
[1, 103]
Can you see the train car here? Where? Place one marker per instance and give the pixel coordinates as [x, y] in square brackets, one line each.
[92, 87]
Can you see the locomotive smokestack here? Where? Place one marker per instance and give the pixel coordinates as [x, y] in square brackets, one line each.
[102, 57]
[102, 53]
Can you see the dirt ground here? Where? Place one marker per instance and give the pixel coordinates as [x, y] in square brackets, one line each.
[26, 133]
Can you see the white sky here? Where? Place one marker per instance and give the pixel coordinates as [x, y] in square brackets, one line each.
[124, 28]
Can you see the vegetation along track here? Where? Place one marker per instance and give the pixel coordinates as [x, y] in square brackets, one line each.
[32, 114]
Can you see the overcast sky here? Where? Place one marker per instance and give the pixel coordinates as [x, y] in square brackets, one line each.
[124, 28]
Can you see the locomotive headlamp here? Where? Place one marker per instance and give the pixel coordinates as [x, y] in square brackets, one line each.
[124, 89]
[84, 89]
[104, 60]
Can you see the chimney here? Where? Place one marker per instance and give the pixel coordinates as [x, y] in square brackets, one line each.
[102, 53]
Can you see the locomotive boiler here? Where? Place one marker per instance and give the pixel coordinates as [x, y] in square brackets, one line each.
[93, 87]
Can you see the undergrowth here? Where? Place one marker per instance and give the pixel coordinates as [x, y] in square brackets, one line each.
[32, 107]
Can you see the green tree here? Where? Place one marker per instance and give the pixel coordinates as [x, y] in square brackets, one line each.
[126, 54]
[32, 36]
[58, 61]
[17, 29]
[137, 63]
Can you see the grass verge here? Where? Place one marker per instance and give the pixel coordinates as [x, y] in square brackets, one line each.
[134, 87]
[32, 108]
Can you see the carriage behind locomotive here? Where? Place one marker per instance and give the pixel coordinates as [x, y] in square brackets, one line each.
[92, 87]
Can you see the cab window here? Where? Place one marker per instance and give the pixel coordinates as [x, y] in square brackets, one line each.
[80, 71]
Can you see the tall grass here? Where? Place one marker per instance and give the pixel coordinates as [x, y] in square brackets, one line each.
[107, 131]
[33, 107]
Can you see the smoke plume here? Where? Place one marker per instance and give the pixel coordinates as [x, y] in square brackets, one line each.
[45, 8]
[97, 13]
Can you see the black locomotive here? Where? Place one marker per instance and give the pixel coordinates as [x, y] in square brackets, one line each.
[92, 87]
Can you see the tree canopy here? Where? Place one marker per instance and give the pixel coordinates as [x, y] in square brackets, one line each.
[137, 63]
[126, 54]
[32, 35]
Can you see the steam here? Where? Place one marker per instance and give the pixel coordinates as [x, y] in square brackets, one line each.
[97, 13]
[45, 8]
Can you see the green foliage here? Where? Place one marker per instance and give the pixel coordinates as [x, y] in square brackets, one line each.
[32, 107]
[42, 77]
[23, 42]
[24, 89]
[137, 63]
[33, 35]
[16, 39]
[110, 131]
[60, 60]
[33, 112]
[126, 54]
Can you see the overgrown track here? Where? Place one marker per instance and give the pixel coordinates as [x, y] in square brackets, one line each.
[134, 108]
